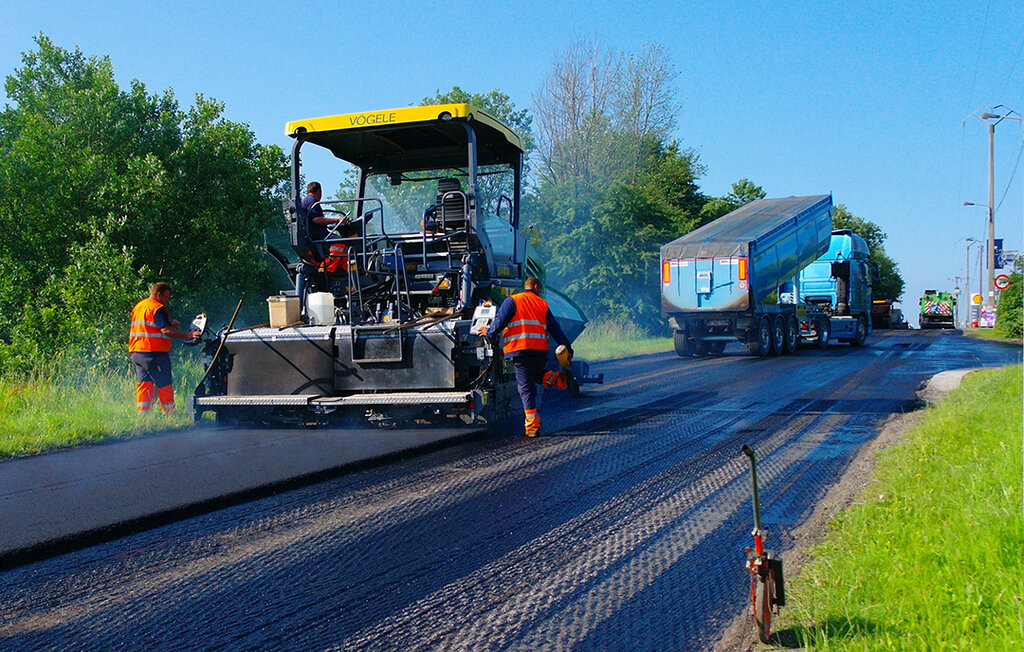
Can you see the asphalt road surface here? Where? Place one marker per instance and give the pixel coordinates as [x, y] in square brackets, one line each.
[621, 528]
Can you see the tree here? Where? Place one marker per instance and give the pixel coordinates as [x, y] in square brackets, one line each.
[610, 186]
[742, 193]
[497, 104]
[886, 283]
[106, 190]
[1008, 314]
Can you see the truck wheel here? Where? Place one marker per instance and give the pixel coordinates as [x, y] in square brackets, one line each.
[861, 334]
[824, 328]
[792, 334]
[779, 335]
[761, 343]
[682, 344]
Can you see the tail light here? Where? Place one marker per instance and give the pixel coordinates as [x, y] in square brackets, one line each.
[666, 272]
[742, 269]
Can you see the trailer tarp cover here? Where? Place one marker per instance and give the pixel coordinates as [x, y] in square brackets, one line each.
[758, 223]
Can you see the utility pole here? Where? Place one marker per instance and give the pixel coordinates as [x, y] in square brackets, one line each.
[991, 244]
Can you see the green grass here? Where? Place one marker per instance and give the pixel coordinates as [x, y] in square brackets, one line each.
[606, 340]
[987, 334]
[933, 558]
[47, 411]
[44, 412]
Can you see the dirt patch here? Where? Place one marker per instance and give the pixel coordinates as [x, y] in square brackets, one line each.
[739, 635]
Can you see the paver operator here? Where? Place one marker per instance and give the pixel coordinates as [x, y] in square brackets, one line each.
[149, 342]
[527, 322]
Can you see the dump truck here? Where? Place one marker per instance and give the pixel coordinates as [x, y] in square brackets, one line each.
[740, 278]
[881, 313]
[378, 324]
[887, 314]
[938, 310]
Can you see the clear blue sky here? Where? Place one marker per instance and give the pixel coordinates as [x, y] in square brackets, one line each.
[867, 100]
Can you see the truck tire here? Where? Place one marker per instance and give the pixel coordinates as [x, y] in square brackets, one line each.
[760, 343]
[824, 328]
[682, 344]
[862, 332]
[792, 334]
[779, 335]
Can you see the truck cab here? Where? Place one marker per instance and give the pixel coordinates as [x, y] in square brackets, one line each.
[822, 281]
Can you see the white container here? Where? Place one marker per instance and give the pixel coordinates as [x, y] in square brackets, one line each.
[321, 308]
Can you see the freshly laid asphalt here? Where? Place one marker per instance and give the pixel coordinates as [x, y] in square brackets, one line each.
[62, 500]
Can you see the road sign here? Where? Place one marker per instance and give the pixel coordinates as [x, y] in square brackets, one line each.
[1002, 282]
[976, 299]
[1007, 260]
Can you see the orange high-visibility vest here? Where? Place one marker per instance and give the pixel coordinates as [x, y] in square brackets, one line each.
[145, 335]
[528, 329]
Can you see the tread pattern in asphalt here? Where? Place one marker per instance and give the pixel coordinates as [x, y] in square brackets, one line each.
[622, 528]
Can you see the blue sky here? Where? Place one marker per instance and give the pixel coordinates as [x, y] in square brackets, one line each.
[867, 100]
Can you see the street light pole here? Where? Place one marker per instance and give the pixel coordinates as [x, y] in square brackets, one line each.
[968, 243]
[991, 244]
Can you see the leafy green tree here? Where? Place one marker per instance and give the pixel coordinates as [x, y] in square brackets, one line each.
[495, 102]
[1008, 313]
[742, 192]
[610, 187]
[886, 283]
[106, 190]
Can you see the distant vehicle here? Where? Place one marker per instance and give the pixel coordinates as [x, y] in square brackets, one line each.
[770, 274]
[881, 313]
[938, 310]
[885, 314]
[897, 320]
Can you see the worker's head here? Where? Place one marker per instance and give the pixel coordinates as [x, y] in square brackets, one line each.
[160, 292]
[532, 283]
[314, 188]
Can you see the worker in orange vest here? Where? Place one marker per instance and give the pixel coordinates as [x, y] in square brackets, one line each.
[149, 342]
[526, 322]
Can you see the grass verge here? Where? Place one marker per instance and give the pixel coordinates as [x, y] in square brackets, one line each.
[931, 559]
[49, 411]
[606, 340]
[43, 412]
[987, 334]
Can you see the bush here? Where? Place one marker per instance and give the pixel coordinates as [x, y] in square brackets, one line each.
[1008, 314]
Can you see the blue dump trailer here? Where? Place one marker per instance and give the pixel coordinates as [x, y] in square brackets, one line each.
[742, 277]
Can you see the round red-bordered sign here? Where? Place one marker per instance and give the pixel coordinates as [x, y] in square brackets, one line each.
[1002, 282]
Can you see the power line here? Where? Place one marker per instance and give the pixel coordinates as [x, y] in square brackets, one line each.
[1013, 68]
[1012, 175]
[981, 48]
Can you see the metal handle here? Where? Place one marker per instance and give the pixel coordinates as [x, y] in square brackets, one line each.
[749, 452]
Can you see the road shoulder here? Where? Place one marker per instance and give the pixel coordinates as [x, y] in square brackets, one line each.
[739, 635]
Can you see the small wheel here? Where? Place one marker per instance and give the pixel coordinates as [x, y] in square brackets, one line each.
[792, 334]
[861, 334]
[682, 344]
[763, 606]
[824, 331]
[761, 344]
[778, 335]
